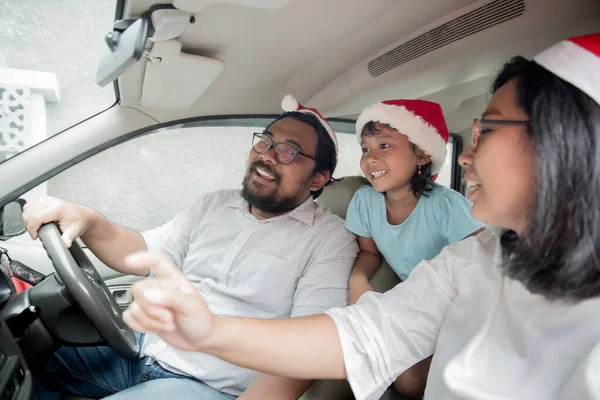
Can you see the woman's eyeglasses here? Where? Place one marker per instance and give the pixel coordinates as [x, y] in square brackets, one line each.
[482, 127]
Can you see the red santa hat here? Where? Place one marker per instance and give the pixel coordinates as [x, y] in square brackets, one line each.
[289, 104]
[577, 61]
[420, 120]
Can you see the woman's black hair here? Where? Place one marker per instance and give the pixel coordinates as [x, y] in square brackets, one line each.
[558, 255]
[421, 183]
[326, 154]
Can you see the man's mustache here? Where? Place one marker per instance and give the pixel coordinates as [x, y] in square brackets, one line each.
[265, 167]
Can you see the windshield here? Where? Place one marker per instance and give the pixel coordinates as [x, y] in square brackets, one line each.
[48, 59]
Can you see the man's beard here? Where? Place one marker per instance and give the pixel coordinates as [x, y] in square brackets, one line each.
[271, 201]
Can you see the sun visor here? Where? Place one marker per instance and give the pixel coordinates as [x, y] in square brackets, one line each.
[176, 80]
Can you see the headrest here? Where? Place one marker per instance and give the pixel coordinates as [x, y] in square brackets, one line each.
[337, 195]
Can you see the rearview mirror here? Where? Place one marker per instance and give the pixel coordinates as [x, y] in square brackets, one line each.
[126, 44]
[11, 219]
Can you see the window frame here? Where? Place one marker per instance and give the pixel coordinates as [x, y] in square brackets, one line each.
[455, 173]
[339, 125]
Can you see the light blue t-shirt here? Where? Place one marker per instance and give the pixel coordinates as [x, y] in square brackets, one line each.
[441, 217]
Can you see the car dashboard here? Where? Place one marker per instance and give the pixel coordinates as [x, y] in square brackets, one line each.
[16, 382]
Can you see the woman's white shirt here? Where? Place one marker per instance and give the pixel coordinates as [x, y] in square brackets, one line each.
[492, 338]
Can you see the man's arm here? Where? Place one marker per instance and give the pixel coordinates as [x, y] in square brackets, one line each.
[324, 284]
[111, 243]
[271, 387]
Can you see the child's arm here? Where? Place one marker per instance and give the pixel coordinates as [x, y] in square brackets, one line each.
[366, 265]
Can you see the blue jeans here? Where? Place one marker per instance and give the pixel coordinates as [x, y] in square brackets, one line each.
[99, 372]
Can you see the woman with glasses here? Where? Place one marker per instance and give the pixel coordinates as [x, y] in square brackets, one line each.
[509, 316]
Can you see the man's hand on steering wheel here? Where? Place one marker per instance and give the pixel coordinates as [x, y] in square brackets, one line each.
[72, 219]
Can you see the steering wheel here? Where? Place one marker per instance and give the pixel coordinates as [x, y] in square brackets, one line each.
[85, 284]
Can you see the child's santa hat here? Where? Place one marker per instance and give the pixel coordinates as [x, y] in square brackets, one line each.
[289, 104]
[420, 120]
[577, 61]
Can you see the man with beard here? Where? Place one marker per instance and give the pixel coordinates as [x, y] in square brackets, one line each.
[267, 251]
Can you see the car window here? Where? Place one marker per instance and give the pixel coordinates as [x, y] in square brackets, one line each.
[48, 59]
[145, 181]
[446, 175]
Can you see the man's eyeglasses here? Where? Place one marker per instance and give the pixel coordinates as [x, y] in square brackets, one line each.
[284, 153]
[482, 127]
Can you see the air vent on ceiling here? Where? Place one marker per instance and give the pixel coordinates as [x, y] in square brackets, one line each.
[475, 21]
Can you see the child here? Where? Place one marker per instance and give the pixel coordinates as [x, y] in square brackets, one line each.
[403, 215]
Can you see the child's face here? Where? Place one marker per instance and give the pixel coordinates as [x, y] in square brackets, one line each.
[501, 171]
[389, 159]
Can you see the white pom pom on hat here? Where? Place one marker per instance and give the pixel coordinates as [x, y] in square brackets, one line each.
[289, 104]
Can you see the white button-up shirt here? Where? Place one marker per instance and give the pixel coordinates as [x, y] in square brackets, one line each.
[295, 264]
[492, 338]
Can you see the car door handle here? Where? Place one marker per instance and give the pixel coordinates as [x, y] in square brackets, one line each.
[122, 296]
